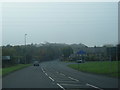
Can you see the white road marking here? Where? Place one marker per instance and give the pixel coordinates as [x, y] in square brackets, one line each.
[51, 78]
[73, 79]
[93, 86]
[42, 70]
[46, 74]
[62, 74]
[66, 81]
[71, 84]
[57, 72]
[60, 86]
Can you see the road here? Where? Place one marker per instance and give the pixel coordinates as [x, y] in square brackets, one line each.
[56, 74]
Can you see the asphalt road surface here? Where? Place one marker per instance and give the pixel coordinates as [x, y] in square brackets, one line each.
[55, 74]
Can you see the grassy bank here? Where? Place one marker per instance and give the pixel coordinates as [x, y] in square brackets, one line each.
[0, 71]
[8, 70]
[104, 68]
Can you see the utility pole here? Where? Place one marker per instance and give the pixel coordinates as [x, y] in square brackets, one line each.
[25, 48]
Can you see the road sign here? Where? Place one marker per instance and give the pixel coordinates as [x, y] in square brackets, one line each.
[81, 52]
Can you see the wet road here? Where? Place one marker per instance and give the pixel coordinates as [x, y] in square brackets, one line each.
[55, 74]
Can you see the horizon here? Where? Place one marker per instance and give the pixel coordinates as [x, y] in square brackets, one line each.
[39, 44]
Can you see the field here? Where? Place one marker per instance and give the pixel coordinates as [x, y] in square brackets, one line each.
[8, 70]
[105, 68]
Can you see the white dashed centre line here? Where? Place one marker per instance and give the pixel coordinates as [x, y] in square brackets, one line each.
[46, 74]
[73, 79]
[60, 86]
[51, 78]
[42, 70]
[93, 86]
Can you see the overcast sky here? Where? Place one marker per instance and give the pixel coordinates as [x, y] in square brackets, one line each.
[87, 23]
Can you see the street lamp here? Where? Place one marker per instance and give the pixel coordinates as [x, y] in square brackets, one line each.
[25, 48]
[25, 39]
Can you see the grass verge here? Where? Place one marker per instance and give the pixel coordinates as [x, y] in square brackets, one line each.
[8, 70]
[105, 68]
[68, 61]
[0, 71]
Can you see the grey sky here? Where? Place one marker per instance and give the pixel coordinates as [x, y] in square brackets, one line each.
[87, 23]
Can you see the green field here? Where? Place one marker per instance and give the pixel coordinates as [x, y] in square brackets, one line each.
[8, 70]
[105, 68]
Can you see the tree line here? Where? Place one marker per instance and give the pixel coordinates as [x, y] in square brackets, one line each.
[21, 54]
[29, 53]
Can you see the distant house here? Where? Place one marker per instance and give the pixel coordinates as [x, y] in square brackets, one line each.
[112, 53]
[5, 58]
[6, 61]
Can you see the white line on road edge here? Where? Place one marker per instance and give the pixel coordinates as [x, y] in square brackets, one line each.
[73, 79]
[60, 86]
[51, 78]
[93, 86]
